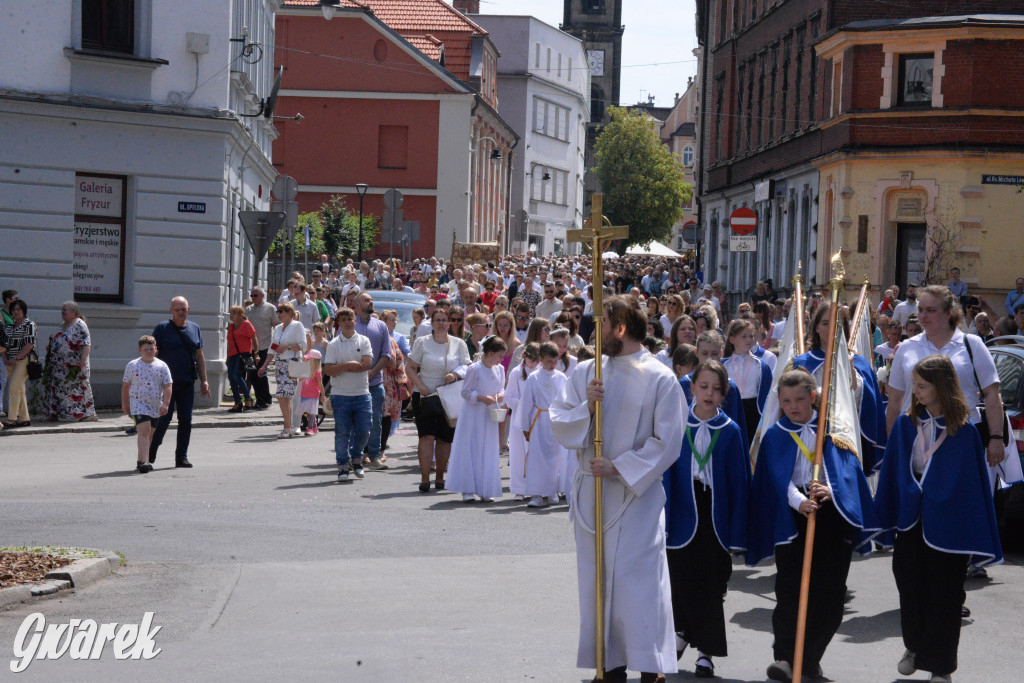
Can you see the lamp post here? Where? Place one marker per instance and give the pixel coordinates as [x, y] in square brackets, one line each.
[361, 189]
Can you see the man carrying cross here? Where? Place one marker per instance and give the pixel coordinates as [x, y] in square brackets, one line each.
[635, 445]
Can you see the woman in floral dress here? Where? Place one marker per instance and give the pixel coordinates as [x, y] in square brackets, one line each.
[68, 393]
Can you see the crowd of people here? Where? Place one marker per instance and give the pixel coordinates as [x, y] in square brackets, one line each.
[498, 367]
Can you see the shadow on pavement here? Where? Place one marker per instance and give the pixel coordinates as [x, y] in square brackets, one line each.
[871, 629]
[311, 485]
[108, 475]
[744, 581]
[756, 619]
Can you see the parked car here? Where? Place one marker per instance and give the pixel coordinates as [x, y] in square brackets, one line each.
[389, 295]
[1008, 354]
[404, 310]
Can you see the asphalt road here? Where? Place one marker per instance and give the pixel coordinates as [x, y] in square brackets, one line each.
[258, 565]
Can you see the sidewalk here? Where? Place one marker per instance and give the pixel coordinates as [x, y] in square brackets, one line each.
[116, 421]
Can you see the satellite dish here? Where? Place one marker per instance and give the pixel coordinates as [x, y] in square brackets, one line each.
[271, 101]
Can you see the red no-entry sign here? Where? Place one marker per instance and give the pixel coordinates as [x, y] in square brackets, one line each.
[743, 221]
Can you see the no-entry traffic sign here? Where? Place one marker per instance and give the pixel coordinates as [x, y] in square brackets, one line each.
[743, 221]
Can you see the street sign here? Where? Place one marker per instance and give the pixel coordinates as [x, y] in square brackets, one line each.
[285, 189]
[742, 243]
[1002, 179]
[393, 199]
[391, 226]
[411, 231]
[743, 221]
[291, 211]
[260, 228]
[689, 232]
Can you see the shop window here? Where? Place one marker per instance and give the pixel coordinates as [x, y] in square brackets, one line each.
[915, 79]
[99, 239]
[109, 25]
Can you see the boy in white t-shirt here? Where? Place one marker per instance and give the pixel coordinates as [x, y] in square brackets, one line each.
[146, 396]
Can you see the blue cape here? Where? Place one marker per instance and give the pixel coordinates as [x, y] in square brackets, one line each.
[953, 500]
[732, 406]
[771, 519]
[872, 405]
[730, 482]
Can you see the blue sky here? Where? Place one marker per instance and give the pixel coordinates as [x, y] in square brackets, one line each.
[658, 32]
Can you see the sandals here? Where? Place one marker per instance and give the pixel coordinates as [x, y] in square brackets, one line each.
[237, 408]
[285, 434]
[704, 667]
[439, 484]
[424, 487]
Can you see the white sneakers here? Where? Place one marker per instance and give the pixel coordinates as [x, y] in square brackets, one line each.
[536, 502]
[906, 666]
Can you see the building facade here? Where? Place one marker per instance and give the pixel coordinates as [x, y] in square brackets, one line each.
[133, 133]
[400, 94]
[543, 85]
[598, 23]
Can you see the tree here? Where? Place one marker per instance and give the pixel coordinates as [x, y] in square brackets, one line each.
[941, 249]
[333, 230]
[642, 180]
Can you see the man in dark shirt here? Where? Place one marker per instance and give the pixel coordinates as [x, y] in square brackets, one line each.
[179, 343]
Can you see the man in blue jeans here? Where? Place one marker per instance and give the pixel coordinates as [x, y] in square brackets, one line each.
[379, 336]
[347, 362]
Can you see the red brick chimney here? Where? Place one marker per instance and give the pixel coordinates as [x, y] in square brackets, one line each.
[467, 6]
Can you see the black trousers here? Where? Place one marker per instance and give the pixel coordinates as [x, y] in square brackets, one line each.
[699, 573]
[183, 396]
[830, 566]
[931, 586]
[260, 385]
[753, 418]
[385, 431]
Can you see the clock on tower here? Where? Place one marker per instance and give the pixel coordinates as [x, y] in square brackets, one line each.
[598, 23]
[596, 60]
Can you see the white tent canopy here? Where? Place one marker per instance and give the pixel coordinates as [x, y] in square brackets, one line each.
[654, 248]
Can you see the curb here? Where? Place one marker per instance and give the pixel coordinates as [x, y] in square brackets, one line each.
[82, 572]
[94, 427]
[78, 574]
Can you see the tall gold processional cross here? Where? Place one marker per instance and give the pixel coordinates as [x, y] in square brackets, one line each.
[596, 235]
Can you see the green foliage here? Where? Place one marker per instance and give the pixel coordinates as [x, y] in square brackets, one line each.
[641, 179]
[333, 231]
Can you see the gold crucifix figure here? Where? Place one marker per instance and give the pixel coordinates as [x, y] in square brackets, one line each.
[596, 235]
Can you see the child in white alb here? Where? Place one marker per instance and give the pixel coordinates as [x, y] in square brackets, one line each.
[544, 455]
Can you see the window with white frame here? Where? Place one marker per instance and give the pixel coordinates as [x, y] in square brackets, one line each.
[688, 156]
[550, 119]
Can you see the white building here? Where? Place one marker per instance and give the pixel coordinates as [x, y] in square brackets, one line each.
[124, 160]
[544, 89]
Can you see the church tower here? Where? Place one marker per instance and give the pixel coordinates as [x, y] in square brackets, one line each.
[598, 23]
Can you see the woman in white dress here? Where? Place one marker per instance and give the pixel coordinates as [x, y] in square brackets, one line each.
[475, 465]
[288, 342]
[516, 441]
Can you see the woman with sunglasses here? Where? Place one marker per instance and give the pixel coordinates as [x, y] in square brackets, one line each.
[288, 342]
[674, 309]
[479, 327]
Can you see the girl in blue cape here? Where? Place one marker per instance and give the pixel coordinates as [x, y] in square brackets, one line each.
[706, 492]
[710, 345]
[934, 498]
[781, 497]
[872, 405]
[752, 375]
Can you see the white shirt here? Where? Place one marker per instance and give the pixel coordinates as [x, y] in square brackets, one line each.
[918, 347]
[700, 432]
[802, 468]
[903, 310]
[437, 360]
[713, 300]
[293, 334]
[308, 311]
[930, 430]
[343, 349]
[546, 309]
[779, 329]
[147, 380]
[745, 370]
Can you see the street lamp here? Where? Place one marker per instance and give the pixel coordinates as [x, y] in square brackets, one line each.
[361, 189]
[328, 7]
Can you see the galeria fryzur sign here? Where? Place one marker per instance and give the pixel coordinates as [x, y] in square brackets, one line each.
[99, 241]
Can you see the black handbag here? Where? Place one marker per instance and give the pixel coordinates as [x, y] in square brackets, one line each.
[983, 428]
[431, 407]
[248, 362]
[35, 368]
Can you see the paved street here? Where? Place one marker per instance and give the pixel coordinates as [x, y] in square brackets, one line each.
[259, 566]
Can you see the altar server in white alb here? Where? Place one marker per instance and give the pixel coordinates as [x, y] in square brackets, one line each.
[516, 441]
[642, 432]
[545, 457]
[475, 466]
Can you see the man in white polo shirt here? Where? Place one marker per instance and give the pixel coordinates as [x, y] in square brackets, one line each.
[347, 362]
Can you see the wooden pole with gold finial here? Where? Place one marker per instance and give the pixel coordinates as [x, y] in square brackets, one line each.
[597, 232]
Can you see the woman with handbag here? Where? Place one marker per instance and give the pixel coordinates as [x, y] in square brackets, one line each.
[241, 342]
[19, 344]
[287, 346]
[433, 362]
